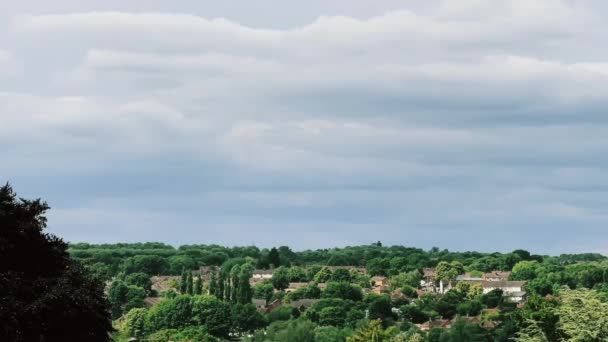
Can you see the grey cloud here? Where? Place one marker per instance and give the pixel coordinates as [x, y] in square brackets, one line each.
[421, 124]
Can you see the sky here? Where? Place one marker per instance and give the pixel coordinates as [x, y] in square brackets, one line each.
[463, 124]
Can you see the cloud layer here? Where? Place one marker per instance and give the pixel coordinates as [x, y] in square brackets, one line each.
[466, 124]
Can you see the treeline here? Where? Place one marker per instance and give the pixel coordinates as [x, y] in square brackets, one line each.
[108, 260]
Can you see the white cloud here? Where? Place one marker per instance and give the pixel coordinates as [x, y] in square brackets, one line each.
[439, 118]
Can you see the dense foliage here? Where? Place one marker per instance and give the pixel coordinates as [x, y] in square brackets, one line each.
[560, 289]
[44, 295]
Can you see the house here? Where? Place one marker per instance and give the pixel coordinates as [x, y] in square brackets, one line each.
[262, 274]
[151, 301]
[467, 277]
[205, 272]
[322, 286]
[294, 286]
[516, 297]
[440, 323]
[380, 289]
[165, 283]
[380, 281]
[497, 276]
[429, 274]
[512, 290]
[260, 304]
[302, 304]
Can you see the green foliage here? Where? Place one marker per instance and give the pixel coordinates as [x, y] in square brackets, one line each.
[141, 280]
[274, 258]
[44, 294]
[449, 271]
[299, 330]
[323, 275]
[372, 332]
[149, 264]
[198, 285]
[280, 279]
[343, 291]
[212, 313]
[331, 334]
[263, 291]
[283, 313]
[246, 318]
[583, 315]
[525, 270]
[403, 279]
[310, 292]
[134, 325]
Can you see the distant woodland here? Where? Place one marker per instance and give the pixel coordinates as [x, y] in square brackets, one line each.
[54, 291]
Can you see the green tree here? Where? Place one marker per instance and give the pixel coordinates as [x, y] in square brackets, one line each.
[141, 280]
[525, 270]
[198, 285]
[175, 313]
[246, 318]
[45, 295]
[341, 275]
[189, 283]
[134, 324]
[449, 271]
[372, 332]
[274, 258]
[183, 284]
[280, 279]
[411, 279]
[323, 275]
[117, 296]
[213, 286]
[244, 292]
[343, 291]
[263, 291]
[212, 313]
[583, 315]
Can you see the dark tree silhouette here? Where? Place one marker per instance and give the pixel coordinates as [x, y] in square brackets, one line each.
[44, 295]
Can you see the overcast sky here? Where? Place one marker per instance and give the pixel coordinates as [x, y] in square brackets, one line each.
[462, 124]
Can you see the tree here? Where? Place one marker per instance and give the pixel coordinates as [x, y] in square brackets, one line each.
[149, 264]
[117, 297]
[213, 286]
[332, 315]
[372, 332]
[183, 284]
[198, 286]
[134, 325]
[449, 271]
[583, 315]
[212, 313]
[323, 275]
[531, 333]
[141, 280]
[379, 307]
[45, 295]
[525, 270]
[341, 275]
[244, 291]
[280, 280]
[245, 318]
[493, 298]
[189, 283]
[274, 258]
[175, 313]
[263, 291]
[411, 279]
[343, 291]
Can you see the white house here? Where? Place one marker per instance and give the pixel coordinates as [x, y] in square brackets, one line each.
[262, 274]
